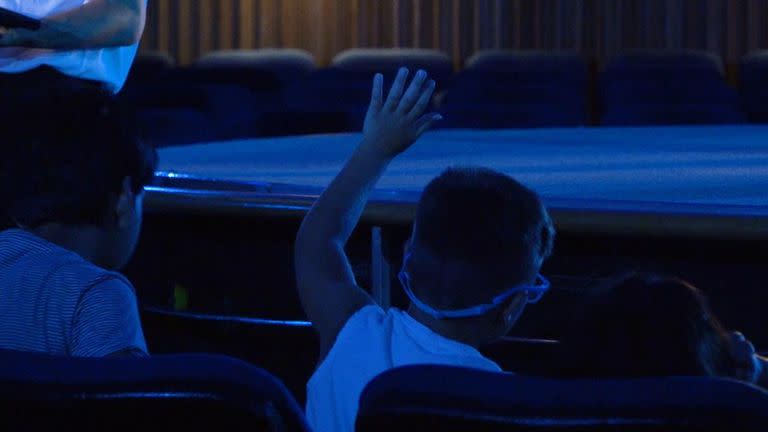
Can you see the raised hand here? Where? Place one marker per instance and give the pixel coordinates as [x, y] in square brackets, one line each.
[393, 125]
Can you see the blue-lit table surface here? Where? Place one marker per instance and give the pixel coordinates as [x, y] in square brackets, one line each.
[691, 180]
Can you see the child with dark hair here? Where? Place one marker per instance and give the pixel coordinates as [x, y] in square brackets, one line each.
[71, 186]
[471, 265]
[646, 325]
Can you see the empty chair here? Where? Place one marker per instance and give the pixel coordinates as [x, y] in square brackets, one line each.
[449, 399]
[335, 99]
[246, 68]
[263, 73]
[754, 86]
[181, 392]
[675, 87]
[242, 85]
[512, 89]
[230, 89]
[149, 67]
[170, 113]
[330, 100]
[147, 91]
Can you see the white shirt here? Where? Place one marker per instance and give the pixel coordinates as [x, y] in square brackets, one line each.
[371, 342]
[109, 65]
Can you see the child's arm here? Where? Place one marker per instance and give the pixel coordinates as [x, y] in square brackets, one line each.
[96, 24]
[327, 286]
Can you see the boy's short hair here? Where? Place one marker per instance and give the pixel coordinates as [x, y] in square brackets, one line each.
[481, 220]
[66, 151]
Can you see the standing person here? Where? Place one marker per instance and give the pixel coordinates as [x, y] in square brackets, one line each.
[90, 40]
[472, 263]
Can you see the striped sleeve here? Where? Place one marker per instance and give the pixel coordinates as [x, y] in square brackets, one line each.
[106, 321]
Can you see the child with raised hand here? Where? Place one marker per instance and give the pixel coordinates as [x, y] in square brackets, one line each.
[471, 266]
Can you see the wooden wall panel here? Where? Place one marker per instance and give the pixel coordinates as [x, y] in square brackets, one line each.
[596, 28]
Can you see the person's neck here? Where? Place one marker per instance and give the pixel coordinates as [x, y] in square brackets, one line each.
[459, 332]
[85, 241]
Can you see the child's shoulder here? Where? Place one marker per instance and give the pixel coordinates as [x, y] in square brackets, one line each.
[75, 273]
[45, 262]
[88, 274]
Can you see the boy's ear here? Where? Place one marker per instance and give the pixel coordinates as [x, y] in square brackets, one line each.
[125, 205]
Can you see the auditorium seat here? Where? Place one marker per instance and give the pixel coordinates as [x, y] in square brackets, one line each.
[149, 67]
[240, 85]
[511, 89]
[167, 115]
[667, 87]
[179, 392]
[263, 73]
[451, 399]
[171, 113]
[336, 98]
[329, 100]
[754, 86]
[245, 66]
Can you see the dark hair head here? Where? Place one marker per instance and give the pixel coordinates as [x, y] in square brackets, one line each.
[477, 228]
[66, 153]
[645, 325]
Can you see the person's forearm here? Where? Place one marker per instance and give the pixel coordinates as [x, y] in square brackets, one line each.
[336, 213]
[97, 24]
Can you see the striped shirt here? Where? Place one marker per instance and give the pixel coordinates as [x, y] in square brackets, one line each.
[54, 301]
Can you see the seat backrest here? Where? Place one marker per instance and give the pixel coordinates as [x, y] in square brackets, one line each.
[667, 87]
[452, 398]
[663, 76]
[666, 60]
[530, 61]
[508, 77]
[287, 65]
[503, 89]
[754, 85]
[389, 60]
[192, 392]
[154, 59]
[149, 67]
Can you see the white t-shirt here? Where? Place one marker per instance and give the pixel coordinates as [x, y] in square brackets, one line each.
[371, 342]
[110, 65]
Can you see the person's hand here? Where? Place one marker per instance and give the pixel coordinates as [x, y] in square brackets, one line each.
[749, 366]
[393, 125]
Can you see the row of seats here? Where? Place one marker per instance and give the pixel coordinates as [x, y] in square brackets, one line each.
[233, 94]
[198, 392]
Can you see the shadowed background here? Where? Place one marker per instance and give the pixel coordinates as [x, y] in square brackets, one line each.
[596, 28]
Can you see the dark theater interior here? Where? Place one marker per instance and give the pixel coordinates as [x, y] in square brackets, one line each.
[384, 215]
